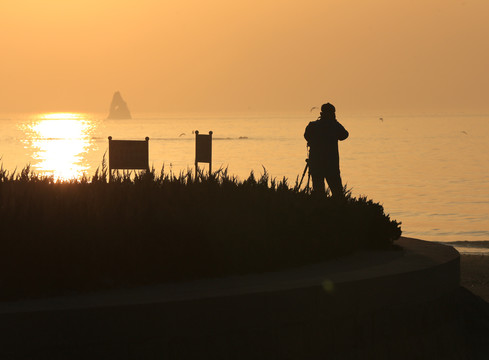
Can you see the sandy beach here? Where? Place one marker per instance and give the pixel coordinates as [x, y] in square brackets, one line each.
[475, 274]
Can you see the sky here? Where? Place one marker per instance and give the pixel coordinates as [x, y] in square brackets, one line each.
[364, 56]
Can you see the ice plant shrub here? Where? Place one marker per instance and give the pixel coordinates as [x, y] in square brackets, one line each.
[88, 234]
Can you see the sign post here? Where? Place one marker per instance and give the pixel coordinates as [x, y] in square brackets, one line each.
[128, 155]
[203, 150]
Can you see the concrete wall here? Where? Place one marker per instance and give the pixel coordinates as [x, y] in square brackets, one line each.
[379, 305]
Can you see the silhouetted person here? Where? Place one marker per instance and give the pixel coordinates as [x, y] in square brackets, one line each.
[322, 137]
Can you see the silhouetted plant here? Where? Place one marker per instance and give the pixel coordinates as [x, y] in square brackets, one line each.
[87, 234]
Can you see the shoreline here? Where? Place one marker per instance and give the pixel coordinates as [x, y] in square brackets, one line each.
[474, 274]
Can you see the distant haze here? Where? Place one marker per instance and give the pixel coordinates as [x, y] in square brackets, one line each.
[365, 56]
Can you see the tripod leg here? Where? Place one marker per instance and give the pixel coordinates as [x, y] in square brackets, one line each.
[303, 174]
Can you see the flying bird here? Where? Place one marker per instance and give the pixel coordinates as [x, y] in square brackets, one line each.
[464, 132]
[182, 134]
[314, 107]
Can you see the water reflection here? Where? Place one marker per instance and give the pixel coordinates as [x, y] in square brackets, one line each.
[60, 143]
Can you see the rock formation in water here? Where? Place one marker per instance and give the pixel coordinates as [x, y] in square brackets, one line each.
[118, 108]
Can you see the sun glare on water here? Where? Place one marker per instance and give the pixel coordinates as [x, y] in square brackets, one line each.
[60, 142]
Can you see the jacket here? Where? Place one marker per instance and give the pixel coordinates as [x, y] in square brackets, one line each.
[322, 137]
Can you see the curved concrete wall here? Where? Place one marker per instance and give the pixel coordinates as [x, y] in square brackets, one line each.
[384, 304]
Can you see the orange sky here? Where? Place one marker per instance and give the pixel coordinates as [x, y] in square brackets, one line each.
[366, 56]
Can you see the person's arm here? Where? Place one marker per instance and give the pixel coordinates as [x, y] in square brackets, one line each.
[341, 131]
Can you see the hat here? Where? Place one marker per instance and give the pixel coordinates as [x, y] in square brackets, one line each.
[327, 108]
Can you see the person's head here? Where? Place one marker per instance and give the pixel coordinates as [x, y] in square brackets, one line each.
[328, 111]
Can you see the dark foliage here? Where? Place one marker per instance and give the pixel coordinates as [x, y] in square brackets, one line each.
[69, 236]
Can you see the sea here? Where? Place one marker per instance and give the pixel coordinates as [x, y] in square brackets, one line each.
[429, 172]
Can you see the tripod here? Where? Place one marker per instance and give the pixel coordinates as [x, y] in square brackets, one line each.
[306, 168]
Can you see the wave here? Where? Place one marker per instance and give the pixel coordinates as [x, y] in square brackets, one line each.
[469, 247]
[484, 244]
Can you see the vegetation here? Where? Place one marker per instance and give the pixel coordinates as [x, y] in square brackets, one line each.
[82, 235]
